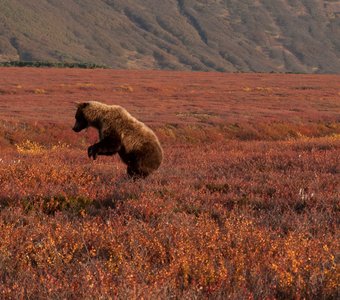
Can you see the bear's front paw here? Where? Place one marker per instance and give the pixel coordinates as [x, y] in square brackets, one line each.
[92, 151]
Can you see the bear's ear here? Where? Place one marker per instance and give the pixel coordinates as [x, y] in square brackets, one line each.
[84, 104]
[81, 104]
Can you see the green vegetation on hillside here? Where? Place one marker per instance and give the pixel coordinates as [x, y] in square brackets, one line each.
[40, 64]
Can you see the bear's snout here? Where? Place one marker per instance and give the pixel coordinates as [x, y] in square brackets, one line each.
[79, 126]
[76, 128]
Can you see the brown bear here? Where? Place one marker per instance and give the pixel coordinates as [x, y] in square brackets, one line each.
[121, 133]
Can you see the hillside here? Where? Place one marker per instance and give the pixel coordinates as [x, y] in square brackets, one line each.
[222, 35]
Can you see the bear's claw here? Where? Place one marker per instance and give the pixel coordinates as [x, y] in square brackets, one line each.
[92, 152]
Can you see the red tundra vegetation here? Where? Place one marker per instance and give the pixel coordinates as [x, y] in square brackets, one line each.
[245, 204]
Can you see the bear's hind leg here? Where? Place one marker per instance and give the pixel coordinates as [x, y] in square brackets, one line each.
[136, 173]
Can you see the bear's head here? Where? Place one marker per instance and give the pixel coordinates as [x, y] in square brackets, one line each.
[81, 121]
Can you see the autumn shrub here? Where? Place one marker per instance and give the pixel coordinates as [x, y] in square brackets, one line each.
[244, 206]
[238, 219]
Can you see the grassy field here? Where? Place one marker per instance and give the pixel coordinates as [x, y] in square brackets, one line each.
[244, 206]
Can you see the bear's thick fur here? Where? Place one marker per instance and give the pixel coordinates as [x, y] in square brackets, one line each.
[121, 133]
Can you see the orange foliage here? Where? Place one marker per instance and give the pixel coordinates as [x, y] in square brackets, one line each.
[237, 210]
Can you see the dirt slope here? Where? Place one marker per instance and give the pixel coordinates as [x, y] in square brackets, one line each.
[222, 35]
